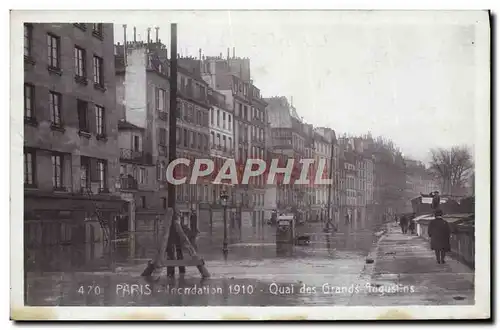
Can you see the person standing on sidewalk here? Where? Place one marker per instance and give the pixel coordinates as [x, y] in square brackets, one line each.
[403, 222]
[439, 233]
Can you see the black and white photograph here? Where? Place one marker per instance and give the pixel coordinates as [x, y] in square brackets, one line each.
[268, 165]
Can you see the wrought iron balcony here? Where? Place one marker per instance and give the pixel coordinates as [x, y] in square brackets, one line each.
[128, 183]
[135, 156]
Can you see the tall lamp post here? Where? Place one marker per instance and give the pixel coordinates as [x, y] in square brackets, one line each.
[224, 197]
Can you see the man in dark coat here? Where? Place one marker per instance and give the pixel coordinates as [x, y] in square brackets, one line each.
[439, 233]
[411, 225]
[436, 200]
[403, 222]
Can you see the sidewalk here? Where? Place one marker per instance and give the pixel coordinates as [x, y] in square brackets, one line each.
[405, 272]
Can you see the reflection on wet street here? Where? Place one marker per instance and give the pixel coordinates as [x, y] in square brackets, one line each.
[255, 272]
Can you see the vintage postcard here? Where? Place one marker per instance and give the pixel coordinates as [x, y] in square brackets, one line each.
[271, 165]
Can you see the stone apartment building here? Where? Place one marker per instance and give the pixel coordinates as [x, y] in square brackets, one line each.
[329, 137]
[322, 152]
[142, 95]
[70, 134]
[288, 142]
[145, 91]
[230, 76]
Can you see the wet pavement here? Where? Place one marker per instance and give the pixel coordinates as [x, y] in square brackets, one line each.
[405, 272]
[254, 274]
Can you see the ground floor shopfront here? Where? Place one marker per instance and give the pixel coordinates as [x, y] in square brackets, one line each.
[55, 219]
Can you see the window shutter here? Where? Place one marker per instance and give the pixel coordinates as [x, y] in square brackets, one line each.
[94, 170]
[92, 117]
[157, 98]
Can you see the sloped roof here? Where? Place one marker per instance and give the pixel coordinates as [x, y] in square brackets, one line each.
[123, 124]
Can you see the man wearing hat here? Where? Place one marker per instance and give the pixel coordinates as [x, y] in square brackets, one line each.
[439, 233]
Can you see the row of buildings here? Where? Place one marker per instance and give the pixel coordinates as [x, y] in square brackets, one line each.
[96, 138]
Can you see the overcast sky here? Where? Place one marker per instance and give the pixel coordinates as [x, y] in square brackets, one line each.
[410, 78]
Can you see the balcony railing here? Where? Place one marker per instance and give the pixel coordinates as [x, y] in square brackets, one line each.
[128, 183]
[135, 156]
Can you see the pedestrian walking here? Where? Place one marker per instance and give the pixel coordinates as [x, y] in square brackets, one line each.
[403, 222]
[411, 225]
[439, 233]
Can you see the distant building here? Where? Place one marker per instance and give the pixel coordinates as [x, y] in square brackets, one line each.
[231, 77]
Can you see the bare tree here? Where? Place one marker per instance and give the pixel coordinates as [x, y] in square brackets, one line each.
[453, 167]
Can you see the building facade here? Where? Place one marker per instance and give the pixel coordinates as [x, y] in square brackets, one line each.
[142, 95]
[70, 134]
[230, 76]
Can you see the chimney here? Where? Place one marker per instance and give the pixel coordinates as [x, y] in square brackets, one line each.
[228, 53]
[234, 52]
[157, 40]
[199, 52]
[125, 44]
[135, 34]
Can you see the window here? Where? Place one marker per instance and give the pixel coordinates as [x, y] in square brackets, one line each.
[83, 121]
[136, 143]
[28, 39]
[161, 99]
[142, 175]
[224, 142]
[199, 118]
[29, 168]
[123, 170]
[224, 120]
[186, 138]
[191, 137]
[164, 202]
[80, 67]
[85, 172]
[162, 136]
[230, 144]
[100, 120]
[218, 119]
[178, 136]
[229, 122]
[57, 171]
[212, 134]
[102, 174]
[98, 71]
[200, 141]
[55, 108]
[143, 202]
[54, 51]
[29, 101]
[218, 140]
[211, 116]
[97, 29]
[179, 110]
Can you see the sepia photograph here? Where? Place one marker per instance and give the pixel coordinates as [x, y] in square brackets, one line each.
[268, 165]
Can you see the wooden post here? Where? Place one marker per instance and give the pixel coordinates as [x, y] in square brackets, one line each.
[171, 221]
[192, 252]
[160, 257]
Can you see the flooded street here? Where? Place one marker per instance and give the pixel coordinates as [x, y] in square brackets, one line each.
[255, 272]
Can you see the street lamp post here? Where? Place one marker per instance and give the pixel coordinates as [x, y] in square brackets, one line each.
[224, 198]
